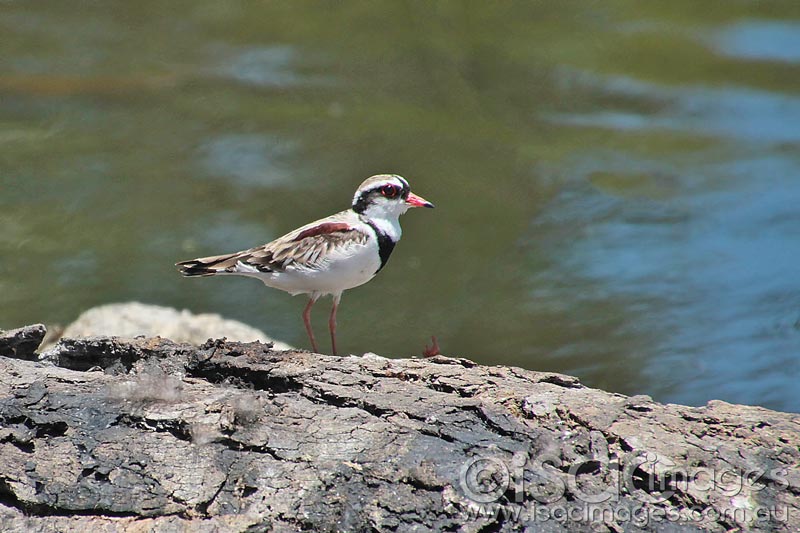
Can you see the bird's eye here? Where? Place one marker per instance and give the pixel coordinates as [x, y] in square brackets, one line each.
[389, 191]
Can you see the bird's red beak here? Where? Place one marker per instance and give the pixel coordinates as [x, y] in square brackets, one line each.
[417, 201]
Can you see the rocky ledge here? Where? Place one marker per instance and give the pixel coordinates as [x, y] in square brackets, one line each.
[108, 434]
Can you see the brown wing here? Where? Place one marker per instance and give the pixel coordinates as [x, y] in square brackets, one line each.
[305, 247]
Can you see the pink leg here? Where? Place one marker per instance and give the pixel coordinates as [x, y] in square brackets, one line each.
[332, 321]
[307, 321]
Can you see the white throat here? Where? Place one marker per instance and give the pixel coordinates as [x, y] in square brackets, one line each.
[387, 218]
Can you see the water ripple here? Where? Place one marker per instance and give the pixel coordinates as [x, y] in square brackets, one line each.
[761, 40]
[732, 112]
[248, 159]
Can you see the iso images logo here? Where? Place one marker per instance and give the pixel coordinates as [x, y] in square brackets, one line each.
[484, 479]
[635, 487]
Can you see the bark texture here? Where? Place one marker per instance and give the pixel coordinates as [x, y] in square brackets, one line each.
[109, 434]
[23, 342]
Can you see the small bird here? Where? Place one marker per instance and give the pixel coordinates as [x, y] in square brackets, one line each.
[328, 256]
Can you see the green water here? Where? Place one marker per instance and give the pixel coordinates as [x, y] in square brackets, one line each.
[617, 183]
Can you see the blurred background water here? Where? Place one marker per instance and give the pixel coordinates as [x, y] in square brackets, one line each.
[617, 183]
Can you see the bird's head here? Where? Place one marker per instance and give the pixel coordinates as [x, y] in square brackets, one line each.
[386, 196]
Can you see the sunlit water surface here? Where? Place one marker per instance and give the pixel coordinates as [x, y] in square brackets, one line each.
[617, 184]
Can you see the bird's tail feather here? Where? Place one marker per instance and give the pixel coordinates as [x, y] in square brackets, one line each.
[208, 266]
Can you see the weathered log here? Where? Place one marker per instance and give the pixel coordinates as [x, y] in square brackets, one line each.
[23, 342]
[147, 434]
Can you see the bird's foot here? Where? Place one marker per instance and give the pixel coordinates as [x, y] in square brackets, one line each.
[433, 349]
